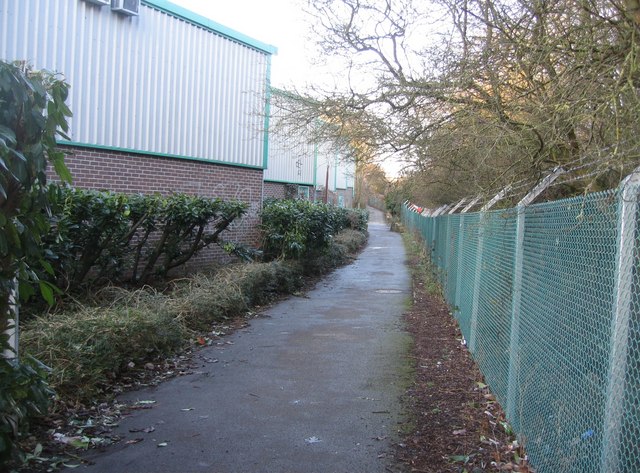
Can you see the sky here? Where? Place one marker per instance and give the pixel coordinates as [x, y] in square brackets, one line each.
[280, 23]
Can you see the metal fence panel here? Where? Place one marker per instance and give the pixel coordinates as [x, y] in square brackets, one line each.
[567, 295]
[494, 300]
[548, 297]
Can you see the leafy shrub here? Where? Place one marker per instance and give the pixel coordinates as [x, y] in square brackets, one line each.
[104, 236]
[33, 113]
[23, 395]
[299, 229]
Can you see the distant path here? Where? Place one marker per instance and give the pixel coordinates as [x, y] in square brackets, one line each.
[313, 386]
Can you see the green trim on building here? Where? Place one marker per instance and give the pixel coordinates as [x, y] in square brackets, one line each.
[297, 183]
[267, 114]
[188, 15]
[159, 155]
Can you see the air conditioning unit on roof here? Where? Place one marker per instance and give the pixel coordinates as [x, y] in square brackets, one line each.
[126, 7]
[100, 2]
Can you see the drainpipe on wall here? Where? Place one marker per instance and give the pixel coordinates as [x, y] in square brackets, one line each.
[326, 186]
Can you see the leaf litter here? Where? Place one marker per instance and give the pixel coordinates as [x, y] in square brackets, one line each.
[455, 423]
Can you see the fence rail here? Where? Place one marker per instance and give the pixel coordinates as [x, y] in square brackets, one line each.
[548, 298]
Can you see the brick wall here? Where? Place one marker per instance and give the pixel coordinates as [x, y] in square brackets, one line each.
[137, 173]
[274, 190]
[279, 190]
[333, 197]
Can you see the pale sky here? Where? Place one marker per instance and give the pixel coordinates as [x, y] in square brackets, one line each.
[280, 23]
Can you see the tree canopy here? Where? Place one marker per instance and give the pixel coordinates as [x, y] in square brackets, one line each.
[475, 95]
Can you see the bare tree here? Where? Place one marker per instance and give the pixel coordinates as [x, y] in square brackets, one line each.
[477, 94]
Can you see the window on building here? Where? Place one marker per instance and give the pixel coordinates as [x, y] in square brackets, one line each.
[303, 192]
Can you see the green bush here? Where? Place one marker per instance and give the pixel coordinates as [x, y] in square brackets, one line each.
[23, 395]
[299, 229]
[32, 114]
[103, 236]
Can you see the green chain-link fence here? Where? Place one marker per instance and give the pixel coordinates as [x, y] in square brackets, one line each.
[548, 298]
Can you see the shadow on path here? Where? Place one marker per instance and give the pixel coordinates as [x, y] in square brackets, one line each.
[312, 386]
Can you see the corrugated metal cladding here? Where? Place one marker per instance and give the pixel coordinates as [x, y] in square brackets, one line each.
[345, 176]
[291, 154]
[153, 83]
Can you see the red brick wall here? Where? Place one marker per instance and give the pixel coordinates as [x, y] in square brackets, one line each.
[278, 190]
[274, 190]
[137, 173]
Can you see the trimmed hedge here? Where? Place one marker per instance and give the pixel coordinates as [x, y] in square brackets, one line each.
[103, 237]
[300, 230]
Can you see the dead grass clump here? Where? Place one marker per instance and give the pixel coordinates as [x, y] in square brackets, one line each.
[89, 347]
[262, 282]
[352, 240]
[341, 250]
[204, 299]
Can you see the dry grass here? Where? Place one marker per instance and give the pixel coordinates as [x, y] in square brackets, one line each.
[89, 347]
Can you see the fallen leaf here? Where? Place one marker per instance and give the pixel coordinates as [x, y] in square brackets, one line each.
[145, 430]
[187, 409]
[163, 444]
[82, 442]
[460, 432]
[132, 441]
[145, 402]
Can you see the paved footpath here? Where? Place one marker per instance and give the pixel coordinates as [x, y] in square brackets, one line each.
[311, 387]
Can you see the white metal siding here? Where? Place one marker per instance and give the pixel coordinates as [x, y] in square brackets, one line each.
[345, 174]
[291, 152]
[152, 83]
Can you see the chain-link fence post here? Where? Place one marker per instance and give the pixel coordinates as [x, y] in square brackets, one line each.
[13, 332]
[620, 323]
[516, 291]
[477, 278]
[460, 249]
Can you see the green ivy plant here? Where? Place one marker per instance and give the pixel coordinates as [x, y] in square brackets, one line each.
[32, 113]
